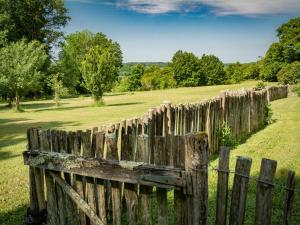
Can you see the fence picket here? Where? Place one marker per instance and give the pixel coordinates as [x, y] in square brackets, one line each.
[222, 191]
[263, 212]
[239, 191]
[289, 199]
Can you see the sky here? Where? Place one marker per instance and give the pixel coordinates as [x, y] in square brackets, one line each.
[153, 30]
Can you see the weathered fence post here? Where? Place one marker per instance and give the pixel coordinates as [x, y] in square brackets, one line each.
[142, 155]
[264, 190]
[239, 191]
[196, 164]
[222, 191]
[289, 199]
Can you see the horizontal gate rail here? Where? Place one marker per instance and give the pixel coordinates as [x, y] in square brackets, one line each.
[123, 171]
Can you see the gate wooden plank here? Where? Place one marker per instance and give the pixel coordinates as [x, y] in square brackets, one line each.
[180, 212]
[78, 179]
[130, 190]
[52, 216]
[145, 192]
[264, 192]
[77, 199]
[160, 158]
[239, 191]
[100, 187]
[112, 153]
[88, 152]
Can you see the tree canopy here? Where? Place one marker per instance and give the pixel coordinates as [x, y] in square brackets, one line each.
[20, 67]
[33, 20]
[73, 53]
[100, 70]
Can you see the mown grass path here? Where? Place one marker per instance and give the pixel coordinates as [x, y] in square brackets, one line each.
[279, 141]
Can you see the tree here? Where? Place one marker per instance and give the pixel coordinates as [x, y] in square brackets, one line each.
[57, 87]
[290, 74]
[185, 66]
[234, 72]
[20, 67]
[134, 81]
[73, 52]
[33, 20]
[251, 71]
[100, 70]
[212, 70]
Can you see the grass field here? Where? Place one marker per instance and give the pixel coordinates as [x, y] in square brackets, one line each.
[279, 141]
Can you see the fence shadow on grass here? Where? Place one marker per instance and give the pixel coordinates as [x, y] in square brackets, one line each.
[13, 217]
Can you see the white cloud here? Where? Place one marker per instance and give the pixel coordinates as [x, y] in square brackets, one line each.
[218, 7]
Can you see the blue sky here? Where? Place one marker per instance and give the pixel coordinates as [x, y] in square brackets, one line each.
[233, 30]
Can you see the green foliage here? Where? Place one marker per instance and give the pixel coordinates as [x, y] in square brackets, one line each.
[185, 66]
[260, 85]
[33, 20]
[296, 90]
[58, 88]
[290, 74]
[73, 52]
[158, 78]
[20, 67]
[134, 83]
[234, 72]
[251, 71]
[269, 70]
[224, 135]
[100, 70]
[212, 70]
[268, 115]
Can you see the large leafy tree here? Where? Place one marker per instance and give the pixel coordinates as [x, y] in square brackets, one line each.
[73, 52]
[185, 66]
[33, 20]
[290, 74]
[100, 70]
[134, 81]
[283, 52]
[20, 68]
[212, 69]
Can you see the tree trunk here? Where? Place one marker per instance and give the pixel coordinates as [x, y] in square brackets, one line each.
[17, 101]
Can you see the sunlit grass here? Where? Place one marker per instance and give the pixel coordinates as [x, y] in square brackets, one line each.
[279, 141]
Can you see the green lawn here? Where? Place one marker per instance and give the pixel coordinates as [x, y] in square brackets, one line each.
[279, 141]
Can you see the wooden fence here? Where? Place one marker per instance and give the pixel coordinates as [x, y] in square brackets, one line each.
[88, 182]
[84, 170]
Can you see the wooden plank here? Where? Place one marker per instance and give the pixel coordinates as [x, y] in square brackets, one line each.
[122, 171]
[72, 213]
[78, 179]
[61, 198]
[239, 191]
[263, 212]
[160, 158]
[180, 204]
[222, 191]
[88, 152]
[37, 199]
[100, 187]
[52, 216]
[289, 199]
[145, 192]
[77, 199]
[130, 190]
[112, 153]
[196, 164]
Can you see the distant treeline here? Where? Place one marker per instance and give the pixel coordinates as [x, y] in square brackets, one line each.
[91, 63]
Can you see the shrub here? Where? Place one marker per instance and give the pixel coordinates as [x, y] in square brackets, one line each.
[290, 74]
[260, 85]
[224, 135]
[296, 90]
[268, 115]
